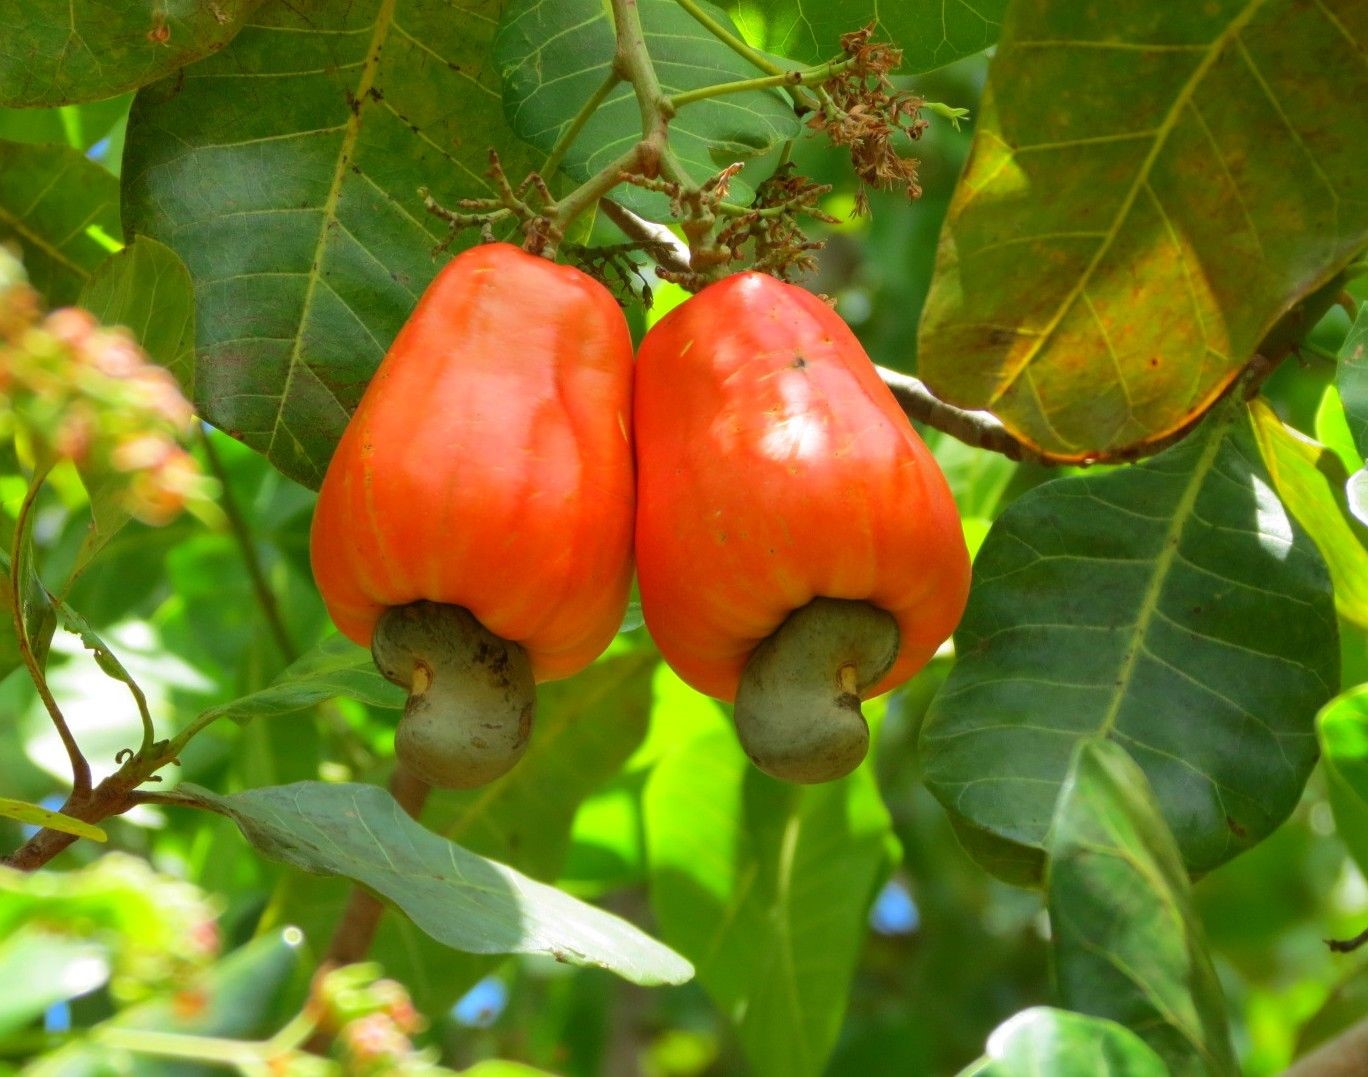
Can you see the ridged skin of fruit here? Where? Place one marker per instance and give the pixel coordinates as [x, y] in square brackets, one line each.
[489, 464]
[774, 466]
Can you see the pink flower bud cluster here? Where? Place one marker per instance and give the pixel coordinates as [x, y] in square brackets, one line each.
[77, 390]
[371, 1020]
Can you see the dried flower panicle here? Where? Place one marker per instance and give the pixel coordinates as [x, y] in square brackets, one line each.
[862, 110]
[781, 247]
[764, 235]
[80, 391]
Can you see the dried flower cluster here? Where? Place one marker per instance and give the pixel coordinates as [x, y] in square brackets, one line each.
[781, 247]
[862, 110]
[75, 390]
[764, 235]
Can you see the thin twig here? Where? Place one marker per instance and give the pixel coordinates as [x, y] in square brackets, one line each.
[356, 930]
[265, 597]
[977, 428]
[1346, 946]
[80, 766]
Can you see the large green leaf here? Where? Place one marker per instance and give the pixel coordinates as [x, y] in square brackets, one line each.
[147, 289]
[1353, 380]
[1174, 606]
[1313, 484]
[765, 887]
[1126, 942]
[1343, 729]
[285, 172]
[931, 33]
[457, 897]
[1044, 1041]
[553, 56]
[1151, 187]
[63, 210]
[91, 49]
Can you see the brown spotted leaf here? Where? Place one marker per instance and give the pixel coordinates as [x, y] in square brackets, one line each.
[1151, 187]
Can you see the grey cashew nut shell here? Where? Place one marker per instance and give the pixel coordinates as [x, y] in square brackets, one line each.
[471, 698]
[797, 707]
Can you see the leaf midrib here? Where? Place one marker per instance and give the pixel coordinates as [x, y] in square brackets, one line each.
[1214, 51]
[383, 19]
[1163, 563]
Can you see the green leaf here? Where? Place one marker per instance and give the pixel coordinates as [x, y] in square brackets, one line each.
[931, 33]
[146, 288]
[1313, 484]
[105, 658]
[316, 128]
[460, 899]
[239, 998]
[1151, 188]
[1126, 942]
[1343, 728]
[64, 211]
[1173, 606]
[335, 667]
[97, 49]
[40, 967]
[765, 886]
[40, 620]
[33, 815]
[1352, 380]
[554, 56]
[81, 126]
[1044, 1041]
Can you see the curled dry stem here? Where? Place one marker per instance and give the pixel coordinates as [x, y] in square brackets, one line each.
[798, 705]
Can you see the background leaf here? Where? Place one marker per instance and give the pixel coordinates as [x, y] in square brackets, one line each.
[40, 968]
[1353, 380]
[1127, 945]
[765, 887]
[64, 211]
[147, 289]
[1048, 1041]
[100, 49]
[931, 33]
[316, 127]
[1312, 483]
[1150, 190]
[238, 998]
[460, 899]
[335, 667]
[553, 56]
[1343, 728]
[1173, 606]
